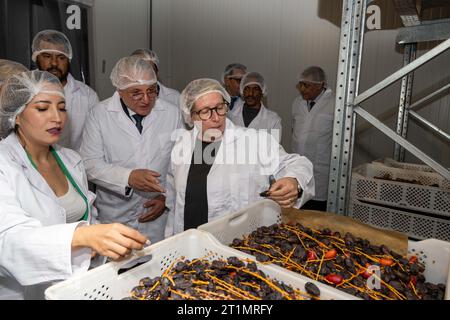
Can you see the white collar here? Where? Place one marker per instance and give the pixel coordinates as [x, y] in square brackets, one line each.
[319, 96]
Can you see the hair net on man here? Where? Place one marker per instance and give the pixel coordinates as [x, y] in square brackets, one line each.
[229, 70]
[132, 71]
[313, 74]
[51, 41]
[147, 54]
[18, 91]
[253, 78]
[9, 68]
[195, 90]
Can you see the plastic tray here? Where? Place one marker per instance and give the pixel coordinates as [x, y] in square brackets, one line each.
[434, 254]
[104, 282]
[403, 165]
[422, 198]
[417, 226]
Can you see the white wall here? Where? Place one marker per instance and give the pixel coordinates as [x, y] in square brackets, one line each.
[198, 38]
[119, 28]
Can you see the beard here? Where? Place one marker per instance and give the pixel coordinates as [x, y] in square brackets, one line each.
[59, 74]
[62, 76]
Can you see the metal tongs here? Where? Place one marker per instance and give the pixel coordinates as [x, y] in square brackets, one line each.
[265, 194]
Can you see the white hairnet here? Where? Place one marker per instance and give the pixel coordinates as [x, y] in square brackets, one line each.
[313, 74]
[50, 41]
[18, 90]
[147, 54]
[253, 78]
[229, 70]
[9, 68]
[196, 89]
[132, 71]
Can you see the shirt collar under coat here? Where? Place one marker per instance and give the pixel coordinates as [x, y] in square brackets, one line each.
[19, 155]
[323, 95]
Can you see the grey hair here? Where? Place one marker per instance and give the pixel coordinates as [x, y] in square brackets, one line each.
[314, 74]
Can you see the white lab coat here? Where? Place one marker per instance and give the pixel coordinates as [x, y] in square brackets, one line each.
[35, 240]
[112, 147]
[168, 94]
[80, 99]
[312, 137]
[266, 119]
[233, 184]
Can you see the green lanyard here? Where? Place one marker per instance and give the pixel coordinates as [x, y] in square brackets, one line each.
[68, 176]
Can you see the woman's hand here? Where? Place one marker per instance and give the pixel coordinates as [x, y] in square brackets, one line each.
[284, 192]
[113, 240]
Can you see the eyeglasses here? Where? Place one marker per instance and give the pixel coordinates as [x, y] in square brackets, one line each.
[236, 78]
[308, 85]
[151, 93]
[206, 113]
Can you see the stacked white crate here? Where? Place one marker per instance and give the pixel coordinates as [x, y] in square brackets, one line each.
[420, 211]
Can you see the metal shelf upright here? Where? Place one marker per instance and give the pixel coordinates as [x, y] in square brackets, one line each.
[348, 98]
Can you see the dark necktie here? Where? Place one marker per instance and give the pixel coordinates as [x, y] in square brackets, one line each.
[233, 100]
[138, 119]
[311, 105]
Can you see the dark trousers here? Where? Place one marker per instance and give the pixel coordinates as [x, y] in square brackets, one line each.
[315, 205]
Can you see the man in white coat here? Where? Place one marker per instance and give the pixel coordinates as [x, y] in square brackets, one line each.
[231, 80]
[165, 93]
[126, 149]
[312, 129]
[251, 112]
[52, 52]
[217, 167]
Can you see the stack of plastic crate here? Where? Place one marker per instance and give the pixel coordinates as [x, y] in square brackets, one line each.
[408, 198]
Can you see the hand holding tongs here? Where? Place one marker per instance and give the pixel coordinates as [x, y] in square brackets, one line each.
[265, 194]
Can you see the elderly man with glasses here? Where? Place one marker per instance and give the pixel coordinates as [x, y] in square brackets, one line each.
[217, 167]
[126, 149]
[231, 79]
[312, 129]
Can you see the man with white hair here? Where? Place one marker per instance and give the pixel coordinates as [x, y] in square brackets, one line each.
[312, 129]
[52, 52]
[231, 80]
[126, 149]
[165, 93]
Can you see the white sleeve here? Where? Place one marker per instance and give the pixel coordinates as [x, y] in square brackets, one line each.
[300, 168]
[278, 126]
[170, 202]
[111, 177]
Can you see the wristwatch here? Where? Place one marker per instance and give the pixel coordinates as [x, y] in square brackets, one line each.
[128, 191]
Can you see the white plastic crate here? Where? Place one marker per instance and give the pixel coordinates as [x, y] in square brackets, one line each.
[403, 165]
[422, 198]
[414, 225]
[104, 282]
[433, 253]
